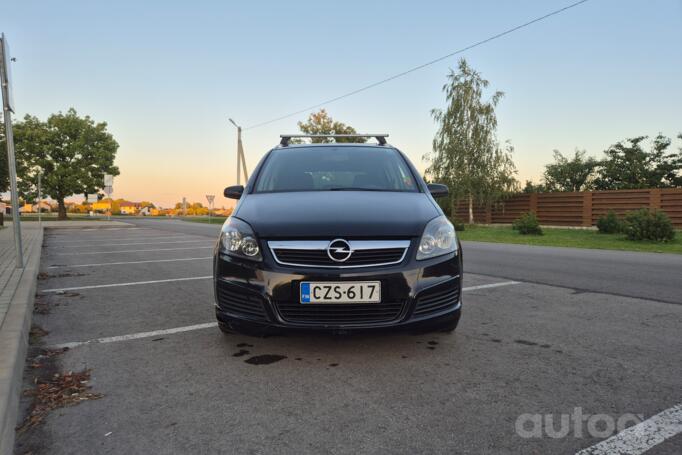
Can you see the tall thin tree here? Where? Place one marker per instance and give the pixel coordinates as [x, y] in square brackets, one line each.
[466, 154]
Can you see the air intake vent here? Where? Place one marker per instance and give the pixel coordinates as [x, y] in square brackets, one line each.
[332, 314]
[241, 302]
[437, 299]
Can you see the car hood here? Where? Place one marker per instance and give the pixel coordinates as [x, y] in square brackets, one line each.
[329, 214]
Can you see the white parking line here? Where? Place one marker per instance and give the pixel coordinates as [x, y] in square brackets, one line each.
[132, 283]
[126, 262]
[133, 251]
[491, 285]
[641, 437]
[136, 336]
[143, 243]
[95, 240]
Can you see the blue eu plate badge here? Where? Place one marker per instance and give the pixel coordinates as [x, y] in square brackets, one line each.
[305, 292]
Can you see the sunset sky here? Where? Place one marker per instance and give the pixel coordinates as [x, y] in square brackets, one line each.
[167, 75]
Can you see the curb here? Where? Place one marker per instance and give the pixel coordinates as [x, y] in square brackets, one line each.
[14, 343]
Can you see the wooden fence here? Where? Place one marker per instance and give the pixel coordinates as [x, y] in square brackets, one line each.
[578, 209]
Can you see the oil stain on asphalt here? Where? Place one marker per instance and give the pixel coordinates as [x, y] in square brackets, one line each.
[265, 359]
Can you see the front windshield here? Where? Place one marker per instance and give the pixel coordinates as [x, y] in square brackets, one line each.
[335, 169]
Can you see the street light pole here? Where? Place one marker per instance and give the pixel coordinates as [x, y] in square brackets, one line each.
[7, 109]
[241, 160]
[11, 164]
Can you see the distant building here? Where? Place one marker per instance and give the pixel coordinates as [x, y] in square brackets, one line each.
[128, 208]
[102, 206]
[33, 208]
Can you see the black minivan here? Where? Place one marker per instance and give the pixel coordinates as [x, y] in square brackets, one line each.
[338, 237]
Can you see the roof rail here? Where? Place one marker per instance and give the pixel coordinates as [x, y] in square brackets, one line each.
[285, 138]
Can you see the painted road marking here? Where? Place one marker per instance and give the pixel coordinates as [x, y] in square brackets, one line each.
[132, 283]
[491, 285]
[641, 437]
[146, 243]
[127, 262]
[136, 336]
[137, 237]
[133, 251]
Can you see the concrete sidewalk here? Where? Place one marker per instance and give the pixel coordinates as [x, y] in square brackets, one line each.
[17, 294]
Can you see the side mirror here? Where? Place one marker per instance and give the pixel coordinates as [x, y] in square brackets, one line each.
[438, 190]
[234, 192]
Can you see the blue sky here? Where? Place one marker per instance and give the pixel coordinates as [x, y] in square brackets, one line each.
[167, 75]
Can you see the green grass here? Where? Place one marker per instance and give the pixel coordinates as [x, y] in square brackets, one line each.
[573, 238]
[204, 219]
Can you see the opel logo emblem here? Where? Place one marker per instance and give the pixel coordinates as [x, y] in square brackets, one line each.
[339, 250]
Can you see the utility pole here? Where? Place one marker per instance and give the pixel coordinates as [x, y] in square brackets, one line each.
[40, 200]
[7, 109]
[241, 161]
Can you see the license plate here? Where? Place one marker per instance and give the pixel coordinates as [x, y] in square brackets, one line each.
[341, 292]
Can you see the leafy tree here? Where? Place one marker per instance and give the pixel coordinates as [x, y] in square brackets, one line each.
[321, 123]
[574, 174]
[627, 165]
[73, 153]
[466, 155]
[531, 187]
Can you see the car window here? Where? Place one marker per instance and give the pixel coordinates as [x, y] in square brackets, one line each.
[335, 169]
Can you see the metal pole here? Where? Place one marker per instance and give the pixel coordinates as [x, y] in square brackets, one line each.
[40, 200]
[16, 216]
[241, 160]
[240, 149]
[9, 138]
[239, 154]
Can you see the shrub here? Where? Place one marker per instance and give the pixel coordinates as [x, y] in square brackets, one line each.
[527, 224]
[459, 225]
[644, 224]
[609, 223]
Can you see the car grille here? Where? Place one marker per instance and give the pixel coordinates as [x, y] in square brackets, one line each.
[320, 257]
[348, 313]
[233, 299]
[364, 253]
[437, 299]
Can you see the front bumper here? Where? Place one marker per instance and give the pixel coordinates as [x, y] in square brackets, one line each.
[414, 293]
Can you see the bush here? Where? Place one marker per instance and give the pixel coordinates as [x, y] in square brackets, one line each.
[459, 225]
[527, 224]
[644, 224]
[609, 223]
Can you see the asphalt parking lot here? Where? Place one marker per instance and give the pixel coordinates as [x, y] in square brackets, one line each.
[134, 306]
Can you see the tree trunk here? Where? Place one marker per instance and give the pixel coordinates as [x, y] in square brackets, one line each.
[61, 209]
[471, 209]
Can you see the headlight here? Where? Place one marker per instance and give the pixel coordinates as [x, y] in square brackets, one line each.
[237, 239]
[438, 238]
